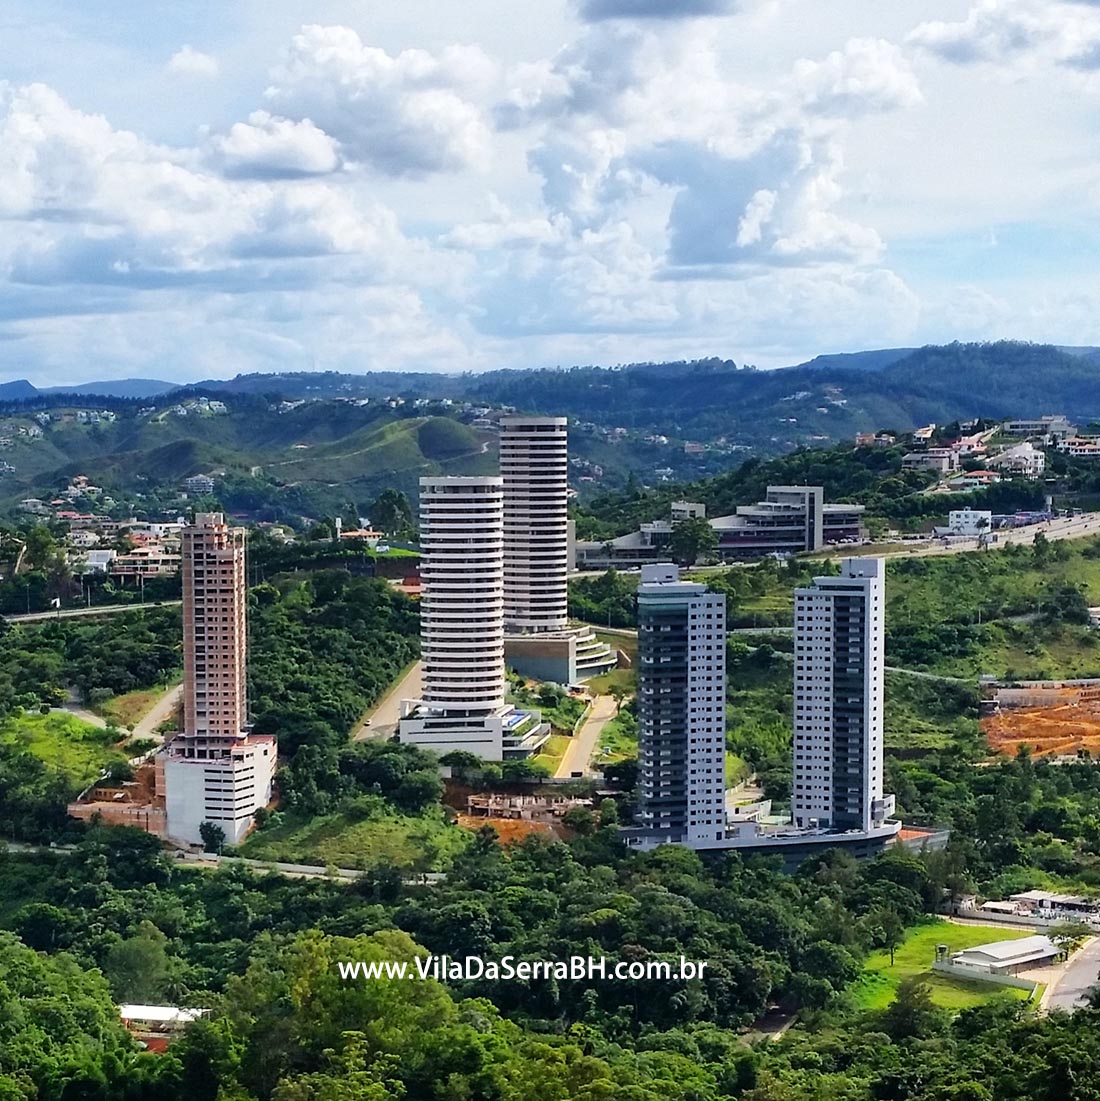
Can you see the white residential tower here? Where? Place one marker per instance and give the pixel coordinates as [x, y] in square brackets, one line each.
[462, 705]
[534, 464]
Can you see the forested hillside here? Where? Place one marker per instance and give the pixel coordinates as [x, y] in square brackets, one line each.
[324, 454]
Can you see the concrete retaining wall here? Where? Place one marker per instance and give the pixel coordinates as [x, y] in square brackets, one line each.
[945, 967]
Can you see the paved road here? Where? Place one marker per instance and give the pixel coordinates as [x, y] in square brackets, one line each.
[579, 752]
[1081, 974]
[102, 609]
[73, 706]
[383, 720]
[211, 861]
[163, 709]
[1074, 527]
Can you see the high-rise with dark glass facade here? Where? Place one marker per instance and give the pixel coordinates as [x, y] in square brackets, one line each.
[681, 710]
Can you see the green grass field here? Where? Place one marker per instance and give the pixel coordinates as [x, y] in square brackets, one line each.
[620, 736]
[552, 751]
[878, 985]
[427, 843]
[76, 749]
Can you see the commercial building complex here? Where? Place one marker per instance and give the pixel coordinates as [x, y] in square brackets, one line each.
[539, 642]
[215, 770]
[1055, 426]
[790, 520]
[462, 705]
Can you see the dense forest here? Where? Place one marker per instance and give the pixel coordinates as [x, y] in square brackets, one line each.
[117, 920]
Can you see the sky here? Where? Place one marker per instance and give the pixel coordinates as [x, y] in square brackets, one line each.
[198, 188]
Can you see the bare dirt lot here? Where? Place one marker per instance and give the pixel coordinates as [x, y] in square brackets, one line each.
[509, 829]
[1050, 731]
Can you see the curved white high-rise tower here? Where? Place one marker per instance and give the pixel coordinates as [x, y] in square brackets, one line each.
[461, 606]
[534, 462]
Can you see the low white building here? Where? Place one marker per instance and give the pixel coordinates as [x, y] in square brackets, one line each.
[95, 561]
[220, 781]
[1006, 957]
[967, 523]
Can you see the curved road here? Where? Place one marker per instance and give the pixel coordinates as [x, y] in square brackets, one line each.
[1080, 977]
[94, 610]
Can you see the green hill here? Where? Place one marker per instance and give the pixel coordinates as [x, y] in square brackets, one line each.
[313, 458]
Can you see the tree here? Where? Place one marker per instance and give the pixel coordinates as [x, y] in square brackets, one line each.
[913, 1013]
[137, 967]
[213, 837]
[580, 819]
[1068, 935]
[392, 513]
[891, 930]
[691, 540]
[1040, 549]
[41, 546]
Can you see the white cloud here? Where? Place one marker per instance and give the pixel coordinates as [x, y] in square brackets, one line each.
[1017, 33]
[409, 114]
[268, 147]
[190, 62]
[868, 76]
[752, 177]
[90, 203]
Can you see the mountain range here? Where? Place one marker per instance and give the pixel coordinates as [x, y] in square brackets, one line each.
[911, 378]
[650, 421]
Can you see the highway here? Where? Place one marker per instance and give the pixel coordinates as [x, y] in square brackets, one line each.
[1070, 527]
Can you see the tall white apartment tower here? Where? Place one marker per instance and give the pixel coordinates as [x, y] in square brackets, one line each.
[462, 595]
[534, 463]
[215, 770]
[538, 546]
[839, 669]
[462, 704]
[681, 710]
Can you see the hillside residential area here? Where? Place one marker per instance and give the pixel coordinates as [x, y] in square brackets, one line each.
[549, 553]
